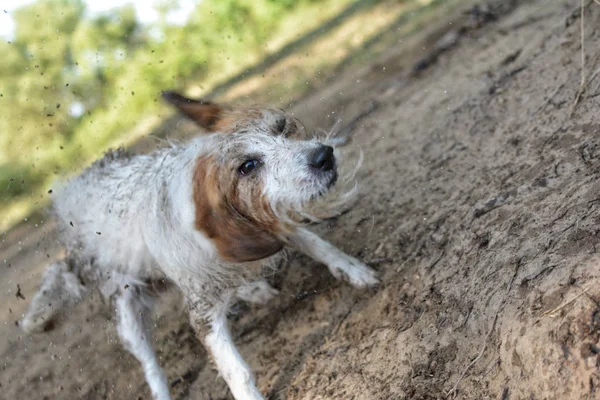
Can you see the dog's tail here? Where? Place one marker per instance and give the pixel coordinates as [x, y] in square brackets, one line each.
[60, 288]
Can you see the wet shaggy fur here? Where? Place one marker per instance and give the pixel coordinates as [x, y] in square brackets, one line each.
[207, 216]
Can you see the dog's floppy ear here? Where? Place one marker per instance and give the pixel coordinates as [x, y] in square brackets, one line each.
[237, 237]
[204, 113]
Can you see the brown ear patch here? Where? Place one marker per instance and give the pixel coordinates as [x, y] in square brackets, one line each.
[204, 113]
[213, 117]
[237, 120]
[223, 218]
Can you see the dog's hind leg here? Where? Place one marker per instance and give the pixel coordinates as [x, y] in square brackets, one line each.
[134, 307]
[60, 288]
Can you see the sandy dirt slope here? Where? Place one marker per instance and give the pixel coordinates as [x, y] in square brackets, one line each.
[480, 207]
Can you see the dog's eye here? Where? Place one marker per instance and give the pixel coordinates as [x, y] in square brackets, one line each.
[248, 166]
[281, 124]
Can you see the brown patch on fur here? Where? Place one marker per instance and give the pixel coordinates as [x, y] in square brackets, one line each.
[223, 119]
[237, 120]
[241, 230]
[211, 116]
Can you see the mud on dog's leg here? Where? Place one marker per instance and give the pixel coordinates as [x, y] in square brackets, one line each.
[340, 264]
[134, 308]
[257, 292]
[60, 288]
[211, 327]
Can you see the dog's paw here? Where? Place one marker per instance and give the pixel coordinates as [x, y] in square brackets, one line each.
[355, 272]
[259, 292]
[37, 321]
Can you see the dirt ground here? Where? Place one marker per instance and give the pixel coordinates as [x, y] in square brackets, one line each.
[480, 208]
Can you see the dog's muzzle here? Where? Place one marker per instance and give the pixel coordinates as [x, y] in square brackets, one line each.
[322, 162]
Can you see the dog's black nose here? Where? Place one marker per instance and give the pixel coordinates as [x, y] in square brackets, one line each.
[322, 158]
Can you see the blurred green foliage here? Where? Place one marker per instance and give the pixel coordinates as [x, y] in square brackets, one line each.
[72, 82]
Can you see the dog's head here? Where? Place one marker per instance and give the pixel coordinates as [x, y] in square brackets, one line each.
[259, 175]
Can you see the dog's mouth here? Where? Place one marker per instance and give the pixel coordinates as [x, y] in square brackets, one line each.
[328, 183]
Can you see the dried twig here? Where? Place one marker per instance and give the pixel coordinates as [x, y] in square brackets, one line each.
[553, 313]
[582, 45]
[372, 225]
[593, 300]
[584, 83]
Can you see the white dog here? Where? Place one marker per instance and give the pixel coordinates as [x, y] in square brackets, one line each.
[206, 216]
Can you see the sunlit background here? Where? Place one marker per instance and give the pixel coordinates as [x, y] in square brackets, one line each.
[77, 77]
[147, 12]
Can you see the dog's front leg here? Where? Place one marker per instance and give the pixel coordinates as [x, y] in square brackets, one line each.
[210, 324]
[341, 265]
